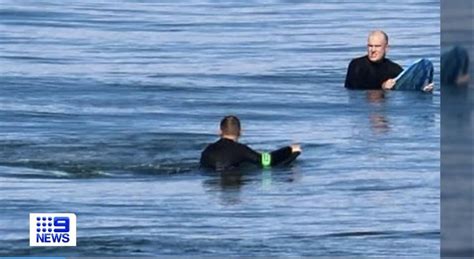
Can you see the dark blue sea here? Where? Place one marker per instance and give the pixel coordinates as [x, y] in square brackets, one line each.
[105, 107]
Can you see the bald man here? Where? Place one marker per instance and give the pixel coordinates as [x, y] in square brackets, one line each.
[374, 70]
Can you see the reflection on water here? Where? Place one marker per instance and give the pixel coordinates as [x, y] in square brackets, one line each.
[457, 167]
[227, 186]
[266, 180]
[378, 121]
[376, 96]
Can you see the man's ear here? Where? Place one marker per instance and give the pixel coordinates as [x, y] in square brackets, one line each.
[220, 132]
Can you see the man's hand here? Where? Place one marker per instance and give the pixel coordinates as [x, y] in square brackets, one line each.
[295, 148]
[462, 79]
[428, 88]
[389, 84]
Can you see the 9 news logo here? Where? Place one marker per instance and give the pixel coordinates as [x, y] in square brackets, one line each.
[52, 229]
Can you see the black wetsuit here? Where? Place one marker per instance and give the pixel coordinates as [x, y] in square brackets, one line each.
[227, 154]
[365, 74]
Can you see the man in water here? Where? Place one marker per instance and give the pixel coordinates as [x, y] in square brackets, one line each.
[227, 153]
[374, 70]
[455, 67]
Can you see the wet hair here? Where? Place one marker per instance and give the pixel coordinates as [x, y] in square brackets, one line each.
[385, 36]
[230, 125]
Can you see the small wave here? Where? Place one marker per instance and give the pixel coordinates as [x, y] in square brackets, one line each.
[25, 172]
[367, 185]
[163, 169]
[77, 110]
[76, 170]
[386, 188]
[386, 234]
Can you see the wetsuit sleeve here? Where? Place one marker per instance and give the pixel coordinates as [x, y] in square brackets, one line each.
[276, 157]
[396, 70]
[280, 155]
[251, 156]
[352, 77]
[206, 160]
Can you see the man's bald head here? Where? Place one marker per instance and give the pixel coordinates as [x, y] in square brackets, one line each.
[379, 33]
[377, 45]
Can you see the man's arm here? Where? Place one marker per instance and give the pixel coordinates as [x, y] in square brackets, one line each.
[352, 77]
[395, 70]
[251, 156]
[206, 159]
[285, 154]
[270, 159]
[389, 84]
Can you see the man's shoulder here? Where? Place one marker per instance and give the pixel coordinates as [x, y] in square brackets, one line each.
[393, 66]
[222, 144]
[210, 147]
[391, 62]
[359, 59]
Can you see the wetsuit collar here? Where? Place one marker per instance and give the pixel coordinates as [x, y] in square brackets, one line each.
[378, 62]
[229, 137]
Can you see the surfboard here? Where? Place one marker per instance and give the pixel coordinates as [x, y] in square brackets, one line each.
[416, 76]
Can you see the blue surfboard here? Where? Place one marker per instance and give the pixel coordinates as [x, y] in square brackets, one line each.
[416, 76]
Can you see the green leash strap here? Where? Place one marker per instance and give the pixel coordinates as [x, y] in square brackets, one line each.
[266, 159]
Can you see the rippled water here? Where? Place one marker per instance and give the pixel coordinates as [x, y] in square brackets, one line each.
[105, 108]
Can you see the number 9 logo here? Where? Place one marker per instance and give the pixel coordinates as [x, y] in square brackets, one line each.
[61, 224]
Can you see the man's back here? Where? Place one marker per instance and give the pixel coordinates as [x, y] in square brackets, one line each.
[226, 154]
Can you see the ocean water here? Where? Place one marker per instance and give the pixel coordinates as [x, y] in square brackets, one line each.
[105, 107]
